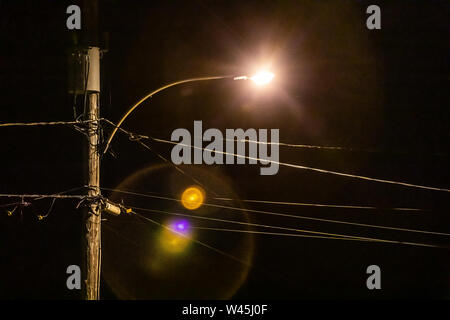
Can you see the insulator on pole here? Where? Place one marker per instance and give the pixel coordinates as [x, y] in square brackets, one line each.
[112, 208]
[84, 70]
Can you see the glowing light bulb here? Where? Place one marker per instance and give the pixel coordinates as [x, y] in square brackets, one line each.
[262, 77]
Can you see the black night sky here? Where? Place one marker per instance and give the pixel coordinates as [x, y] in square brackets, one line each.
[383, 95]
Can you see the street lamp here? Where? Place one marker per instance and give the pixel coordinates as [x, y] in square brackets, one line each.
[261, 78]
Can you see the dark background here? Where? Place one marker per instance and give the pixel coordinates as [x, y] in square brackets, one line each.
[337, 83]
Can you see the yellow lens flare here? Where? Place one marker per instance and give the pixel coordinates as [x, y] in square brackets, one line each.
[174, 242]
[192, 198]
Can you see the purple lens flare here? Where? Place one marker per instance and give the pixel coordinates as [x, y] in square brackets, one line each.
[180, 226]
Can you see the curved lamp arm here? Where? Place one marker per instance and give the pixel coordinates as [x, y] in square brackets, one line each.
[155, 92]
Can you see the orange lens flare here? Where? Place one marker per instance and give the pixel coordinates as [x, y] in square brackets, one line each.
[193, 198]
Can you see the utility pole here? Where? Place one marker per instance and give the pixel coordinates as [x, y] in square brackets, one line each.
[92, 216]
[84, 80]
[85, 72]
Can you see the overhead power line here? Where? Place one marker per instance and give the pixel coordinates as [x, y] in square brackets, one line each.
[177, 167]
[42, 196]
[290, 165]
[331, 236]
[32, 124]
[319, 147]
[320, 205]
[251, 224]
[58, 195]
[285, 144]
[36, 197]
[296, 166]
[287, 215]
[320, 237]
